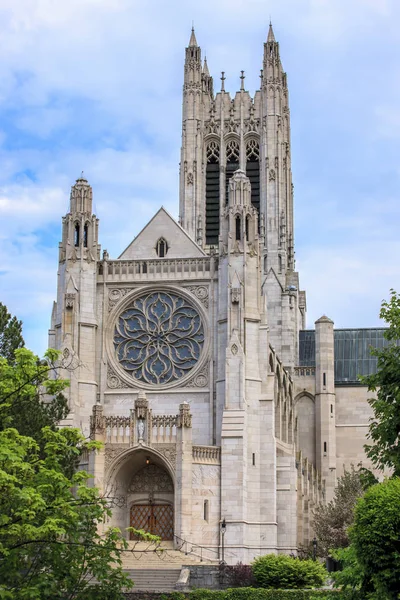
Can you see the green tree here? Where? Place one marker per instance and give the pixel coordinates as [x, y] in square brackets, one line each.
[10, 334]
[384, 431]
[31, 395]
[332, 520]
[375, 537]
[50, 540]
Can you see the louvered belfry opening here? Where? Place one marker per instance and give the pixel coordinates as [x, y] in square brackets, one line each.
[212, 194]
[232, 163]
[253, 171]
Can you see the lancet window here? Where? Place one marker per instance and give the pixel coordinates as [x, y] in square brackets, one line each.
[76, 234]
[162, 248]
[232, 162]
[253, 170]
[212, 193]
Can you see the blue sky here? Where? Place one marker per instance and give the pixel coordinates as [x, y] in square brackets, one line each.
[95, 85]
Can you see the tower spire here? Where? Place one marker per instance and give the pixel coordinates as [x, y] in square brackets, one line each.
[192, 41]
[271, 36]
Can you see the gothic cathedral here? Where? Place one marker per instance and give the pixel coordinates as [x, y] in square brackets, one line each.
[188, 355]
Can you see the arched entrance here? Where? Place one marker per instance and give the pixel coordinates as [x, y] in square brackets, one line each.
[151, 501]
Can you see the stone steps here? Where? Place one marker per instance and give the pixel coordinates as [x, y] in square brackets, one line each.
[154, 580]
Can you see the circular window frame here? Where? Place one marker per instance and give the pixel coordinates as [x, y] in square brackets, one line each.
[123, 304]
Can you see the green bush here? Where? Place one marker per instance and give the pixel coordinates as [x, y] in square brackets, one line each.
[286, 572]
[263, 594]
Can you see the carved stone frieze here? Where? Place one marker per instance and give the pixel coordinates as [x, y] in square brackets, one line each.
[201, 293]
[112, 451]
[113, 381]
[115, 295]
[200, 380]
[167, 450]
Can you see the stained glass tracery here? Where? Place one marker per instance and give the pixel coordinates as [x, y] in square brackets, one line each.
[159, 338]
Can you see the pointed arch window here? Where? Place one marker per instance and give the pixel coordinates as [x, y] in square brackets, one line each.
[253, 170]
[162, 248]
[85, 235]
[238, 227]
[212, 193]
[76, 234]
[232, 163]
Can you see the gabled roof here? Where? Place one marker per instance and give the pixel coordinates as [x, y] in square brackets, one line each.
[162, 225]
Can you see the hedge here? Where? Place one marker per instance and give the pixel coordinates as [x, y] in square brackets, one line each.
[249, 594]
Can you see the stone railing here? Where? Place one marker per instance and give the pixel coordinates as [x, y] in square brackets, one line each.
[153, 270]
[304, 371]
[163, 428]
[141, 426]
[207, 454]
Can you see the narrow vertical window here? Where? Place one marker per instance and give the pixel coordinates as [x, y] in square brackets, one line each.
[212, 194]
[324, 379]
[324, 447]
[76, 234]
[237, 228]
[205, 510]
[253, 171]
[232, 164]
[162, 248]
[254, 460]
[247, 228]
[85, 236]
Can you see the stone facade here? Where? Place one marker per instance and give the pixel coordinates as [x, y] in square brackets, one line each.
[183, 353]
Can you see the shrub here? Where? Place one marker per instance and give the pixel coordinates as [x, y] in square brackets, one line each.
[287, 572]
[238, 575]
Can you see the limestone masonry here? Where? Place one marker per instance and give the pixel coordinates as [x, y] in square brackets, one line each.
[188, 355]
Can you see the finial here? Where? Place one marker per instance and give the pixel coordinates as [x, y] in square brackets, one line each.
[242, 77]
[271, 36]
[192, 41]
[223, 81]
[205, 67]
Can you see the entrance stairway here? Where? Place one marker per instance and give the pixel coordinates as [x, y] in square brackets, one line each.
[157, 570]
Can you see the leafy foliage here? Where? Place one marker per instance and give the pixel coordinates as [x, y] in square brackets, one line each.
[10, 334]
[50, 540]
[287, 572]
[254, 594]
[238, 575]
[384, 431]
[29, 399]
[375, 537]
[332, 520]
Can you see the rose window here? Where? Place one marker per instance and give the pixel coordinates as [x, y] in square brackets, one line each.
[159, 338]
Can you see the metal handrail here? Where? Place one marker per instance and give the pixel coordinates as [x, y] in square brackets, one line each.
[184, 544]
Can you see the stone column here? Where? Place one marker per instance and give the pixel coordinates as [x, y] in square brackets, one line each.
[325, 403]
[183, 483]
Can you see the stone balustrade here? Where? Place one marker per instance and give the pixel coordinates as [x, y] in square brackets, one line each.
[153, 270]
[207, 454]
[304, 371]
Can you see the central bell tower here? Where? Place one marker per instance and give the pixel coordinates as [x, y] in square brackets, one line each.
[220, 135]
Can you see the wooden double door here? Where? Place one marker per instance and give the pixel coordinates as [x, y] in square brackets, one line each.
[157, 519]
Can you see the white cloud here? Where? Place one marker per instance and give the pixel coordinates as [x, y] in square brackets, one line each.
[95, 85]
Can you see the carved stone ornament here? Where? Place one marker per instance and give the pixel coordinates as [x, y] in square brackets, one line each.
[141, 406]
[272, 175]
[185, 418]
[234, 349]
[200, 380]
[201, 293]
[70, 300]
[112, 451]
[113, 381]
[235, 295]
[190, 178]
[115, 295]
[169, 451]
[97, 421]
[151, 478]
